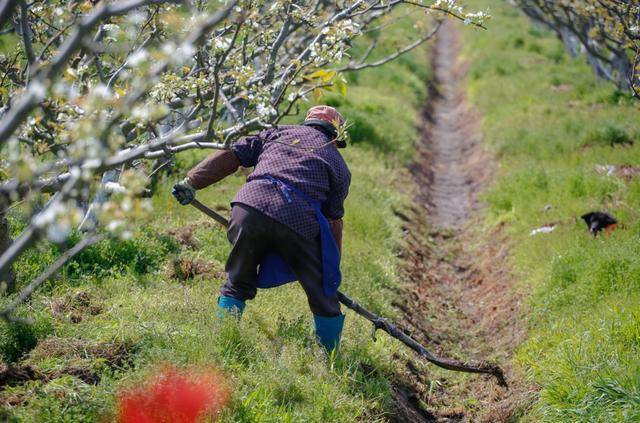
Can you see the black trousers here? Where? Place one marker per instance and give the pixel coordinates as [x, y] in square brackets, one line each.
[252, 233]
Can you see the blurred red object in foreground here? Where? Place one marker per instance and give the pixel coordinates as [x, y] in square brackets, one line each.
[174, 396]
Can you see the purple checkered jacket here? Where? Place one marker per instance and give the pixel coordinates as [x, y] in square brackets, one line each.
[300, 156]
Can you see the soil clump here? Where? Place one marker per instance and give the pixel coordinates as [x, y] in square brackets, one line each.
[82, 358]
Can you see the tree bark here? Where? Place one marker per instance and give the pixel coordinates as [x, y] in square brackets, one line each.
[7, 277]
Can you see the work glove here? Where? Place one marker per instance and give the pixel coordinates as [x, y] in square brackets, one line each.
[184, 192]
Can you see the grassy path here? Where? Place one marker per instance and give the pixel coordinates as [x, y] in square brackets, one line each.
[553, 127]
[559, 308]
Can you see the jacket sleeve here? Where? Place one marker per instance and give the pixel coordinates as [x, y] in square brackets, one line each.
[333, 206]
[212, 169]
[248, 149]
[244, 152]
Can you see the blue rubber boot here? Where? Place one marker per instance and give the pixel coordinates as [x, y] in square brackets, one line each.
[328, 331]
[229, 305]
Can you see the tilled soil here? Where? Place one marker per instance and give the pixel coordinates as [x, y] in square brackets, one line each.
[459, 300]
[83, 354]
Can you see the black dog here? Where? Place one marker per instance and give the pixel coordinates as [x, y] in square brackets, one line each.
[597, 221]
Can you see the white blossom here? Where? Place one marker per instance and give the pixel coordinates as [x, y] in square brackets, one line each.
[265, 110]
[112, 29]
[179, 54]
[37, 89]
[102, 92]
[114, 188]
[220, 44]
[58, 232]
[115, 225]
[137, 57]
[141, 113]
[136, 17]
[48, 215]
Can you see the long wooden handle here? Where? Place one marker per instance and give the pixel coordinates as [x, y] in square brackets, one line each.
[212, 214]
[391, 329]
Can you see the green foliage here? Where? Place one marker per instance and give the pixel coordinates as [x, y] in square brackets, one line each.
[609, 135]
[139, 255]
[66, 400]
[17, 339]
[363, 131]
[557, 54]
[552, 123]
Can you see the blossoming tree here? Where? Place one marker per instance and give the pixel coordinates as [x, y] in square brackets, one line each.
[96, 97]
[607, 31]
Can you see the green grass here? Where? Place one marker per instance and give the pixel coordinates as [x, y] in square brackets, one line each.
[550, 123]
[277, 371]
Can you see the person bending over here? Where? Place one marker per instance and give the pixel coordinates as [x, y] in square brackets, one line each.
[286, 220]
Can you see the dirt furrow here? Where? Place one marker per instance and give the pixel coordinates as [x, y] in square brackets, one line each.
[459, 297]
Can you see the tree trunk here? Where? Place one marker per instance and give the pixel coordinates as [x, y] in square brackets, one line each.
[600, 68]
[571, 42]
[8, 277]
[623, 69]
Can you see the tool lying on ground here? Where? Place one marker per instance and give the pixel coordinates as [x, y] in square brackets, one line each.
[394, 331]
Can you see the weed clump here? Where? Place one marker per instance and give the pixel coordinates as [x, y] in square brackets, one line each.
[17, 339]
[139, 255]
[185, 236]
[74, 306]
[184, 269]
[113, 354]
[610, 135]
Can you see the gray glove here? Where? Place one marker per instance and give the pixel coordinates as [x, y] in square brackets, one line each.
[184, 192]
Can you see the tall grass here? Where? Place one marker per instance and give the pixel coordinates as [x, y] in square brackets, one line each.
[550, 123]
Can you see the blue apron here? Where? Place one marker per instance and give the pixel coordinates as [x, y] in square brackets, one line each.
[274, 271]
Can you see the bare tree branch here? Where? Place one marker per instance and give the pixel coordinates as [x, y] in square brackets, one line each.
[359, 66]
[446, 11]
[43, 77]
[26, 33]
[8, 277]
